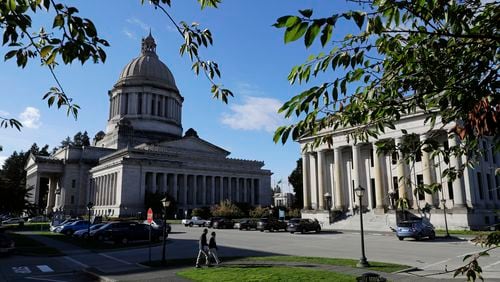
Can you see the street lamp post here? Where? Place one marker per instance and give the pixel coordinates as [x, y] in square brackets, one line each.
[90, 205]
[166, 204]
[362, 261]
[443, 201]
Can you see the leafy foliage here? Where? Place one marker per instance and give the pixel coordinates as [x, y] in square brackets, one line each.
[259, 212]
[203, 212]
[227, 209]
[295, 179]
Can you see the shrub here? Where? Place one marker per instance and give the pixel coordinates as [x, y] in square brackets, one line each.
[203, 212]
[259, 212]
[227, 209]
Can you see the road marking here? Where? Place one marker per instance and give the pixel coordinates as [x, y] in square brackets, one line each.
[115, 259]
[21, 269]
[45, 279]
[45, 268]
[436, 263]
[75, 261]
[490, 265]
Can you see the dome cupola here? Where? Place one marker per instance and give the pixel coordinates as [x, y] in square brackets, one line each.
[147, 69]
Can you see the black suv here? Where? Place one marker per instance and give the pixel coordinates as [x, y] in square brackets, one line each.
[246, 224]
[124, 232]
[303, 225]
[222, 223]
[271, 224]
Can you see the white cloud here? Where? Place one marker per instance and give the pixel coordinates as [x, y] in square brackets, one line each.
[4, 113]
[139, 23]
[129, 34]
[256, 113]
[30, 118]
[2, 160]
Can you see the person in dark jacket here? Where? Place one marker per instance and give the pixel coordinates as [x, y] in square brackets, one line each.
[212, 248]
[203, 248]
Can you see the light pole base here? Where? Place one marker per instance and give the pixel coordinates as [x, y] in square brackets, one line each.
[362, 263]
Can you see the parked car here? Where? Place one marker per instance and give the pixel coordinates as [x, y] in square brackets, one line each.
[158, 224]
[58, 227]
[271, 224]
[417, 229]
[124, 232]
[13, 220]
[70, 228]
[38, 218]
[83, 233]
[195, 220]
[210, 222]
[7, 245]
[246, 224]
[222, 223]
[303, 225]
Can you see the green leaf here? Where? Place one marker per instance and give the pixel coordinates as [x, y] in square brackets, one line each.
[58, 21]
[306, 13]
[10, 54]
[311, 34]
[45, 50]
[295, 32]
[359, 18]
[326, 34]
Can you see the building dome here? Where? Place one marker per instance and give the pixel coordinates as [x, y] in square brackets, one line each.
[147, 69]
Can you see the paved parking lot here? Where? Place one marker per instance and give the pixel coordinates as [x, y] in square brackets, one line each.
[430, 256]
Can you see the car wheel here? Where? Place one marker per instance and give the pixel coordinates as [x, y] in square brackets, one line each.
[124, 241]
[318, 229]
[302, 231]
[418, 237]
[85, 236]
[100, 238]
[262, 230]
[432, 236]
[291, 232]
[400, 238]
[248, 228]
[191, 224]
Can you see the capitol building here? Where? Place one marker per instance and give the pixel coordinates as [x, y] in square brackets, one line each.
[143, 150]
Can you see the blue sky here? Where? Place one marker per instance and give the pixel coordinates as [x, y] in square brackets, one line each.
[250, 52]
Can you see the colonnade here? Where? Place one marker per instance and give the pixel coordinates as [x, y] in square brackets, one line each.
[203, 190]
[144, 103]
[381, 176]
[103, 190]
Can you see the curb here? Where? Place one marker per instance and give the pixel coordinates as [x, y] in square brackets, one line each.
[406, 270]
[94, 273]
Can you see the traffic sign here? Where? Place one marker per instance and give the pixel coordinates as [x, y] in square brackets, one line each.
[150, 215]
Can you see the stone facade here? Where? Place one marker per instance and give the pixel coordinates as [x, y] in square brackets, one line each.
[330, 174]
[143, 151]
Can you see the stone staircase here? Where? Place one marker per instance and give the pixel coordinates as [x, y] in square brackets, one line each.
[371, 222]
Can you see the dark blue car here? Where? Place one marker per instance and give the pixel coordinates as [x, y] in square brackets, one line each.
[416, 229]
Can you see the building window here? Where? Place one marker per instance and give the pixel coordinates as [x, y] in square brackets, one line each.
[139, 104]
[485, 151]
[420, 183]
[73, 183]
[490, 186]
[450, 190]
[418, 156]
[486, 220]
[395, 185]
[372, 157]
[394, 158]
[480, 185]
[72, 199]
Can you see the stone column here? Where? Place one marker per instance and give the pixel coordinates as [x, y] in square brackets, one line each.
[153, 182]
[427, 167]
[401, 171]
[212, 182]
[185, 188]
[252, 192]
[195, 189]
[51, 197]
[337, 155]
[321, 179]
[355, 171]
[379, 184]
[175, 188]
[237, 187]
[305, 181]
[204, 189]
[458, 194]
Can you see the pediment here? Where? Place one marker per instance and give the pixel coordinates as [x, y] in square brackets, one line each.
[31, 161]
[191, 143]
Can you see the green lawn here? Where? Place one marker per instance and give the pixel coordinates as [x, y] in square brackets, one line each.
[35, 226]
[28, 246]
[462, 232]
[374, 265]
[262, 273]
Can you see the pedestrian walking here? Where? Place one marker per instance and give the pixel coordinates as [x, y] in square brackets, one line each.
[203, 248]
[212, 248]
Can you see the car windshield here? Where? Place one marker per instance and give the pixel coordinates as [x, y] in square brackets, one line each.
[294, 220]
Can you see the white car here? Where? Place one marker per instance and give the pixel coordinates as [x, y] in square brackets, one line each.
[13, 220]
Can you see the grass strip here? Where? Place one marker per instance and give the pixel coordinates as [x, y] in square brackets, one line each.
[29, 246]
[374, 265]
[262, 273]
